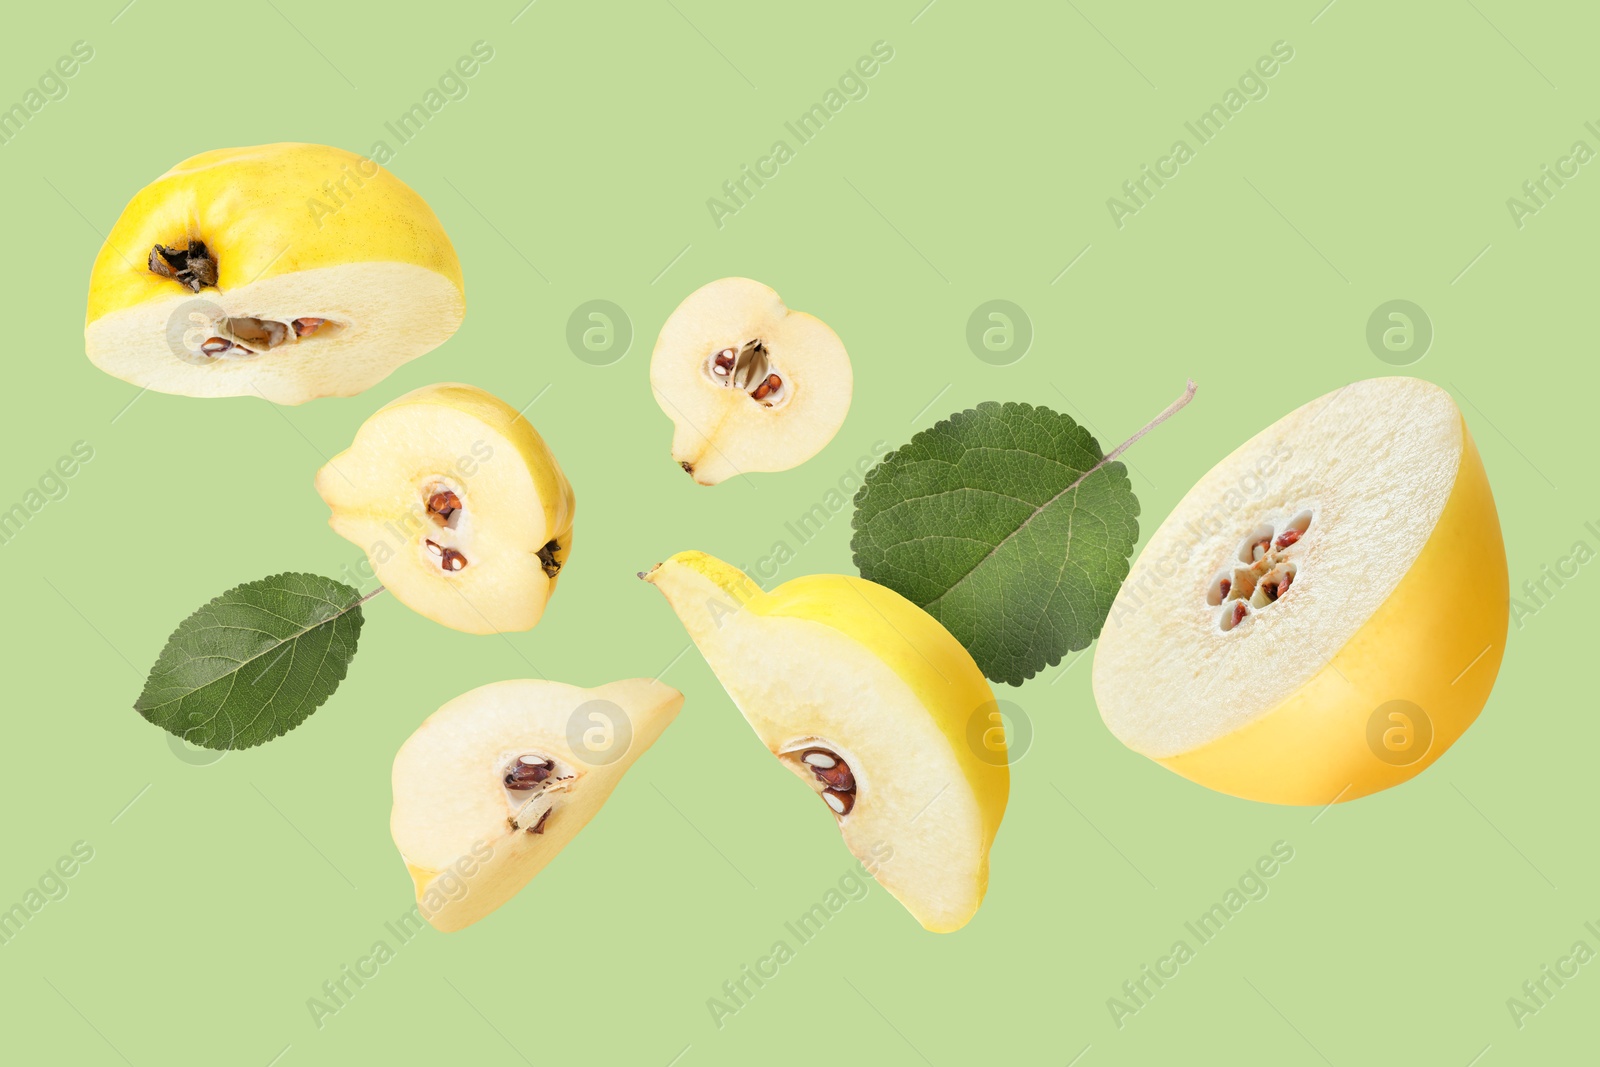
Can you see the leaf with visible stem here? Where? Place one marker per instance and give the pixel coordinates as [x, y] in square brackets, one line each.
[255, 662]
[1007, 524]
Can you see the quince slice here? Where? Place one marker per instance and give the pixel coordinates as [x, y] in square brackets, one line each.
[460, 506]
[497, 781]
[873, 704]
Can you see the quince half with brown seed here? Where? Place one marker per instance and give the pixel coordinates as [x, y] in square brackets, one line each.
[287, 271]
[1324, 613]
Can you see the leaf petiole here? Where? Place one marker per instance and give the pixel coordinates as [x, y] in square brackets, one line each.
[1172, 409]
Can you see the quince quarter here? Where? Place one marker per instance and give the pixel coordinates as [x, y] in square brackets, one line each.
[459, 504]
[497, 781]
[871, 703]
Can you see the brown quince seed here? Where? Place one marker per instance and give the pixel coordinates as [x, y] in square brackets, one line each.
[829, 769]
[441, 505]
[526, 772]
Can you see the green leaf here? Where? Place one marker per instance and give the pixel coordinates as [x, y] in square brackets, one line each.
[1001, 523]
[255, 662]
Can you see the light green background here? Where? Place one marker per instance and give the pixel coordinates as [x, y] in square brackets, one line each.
[977, 168]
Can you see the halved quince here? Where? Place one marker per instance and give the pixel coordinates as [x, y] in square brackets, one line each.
[871, 702]
[459, 504]
[1324, 613]
[748, 384]
[497, 781]
[289, 271]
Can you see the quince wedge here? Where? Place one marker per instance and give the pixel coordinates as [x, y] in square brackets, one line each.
[869, 701]
[497, 781]
[459, 504]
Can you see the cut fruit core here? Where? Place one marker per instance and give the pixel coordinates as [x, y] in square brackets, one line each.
[533, 783]
[1261, 573]
[750, 370]
[829, 773]
[444, 507]
[230, 336]
[241, 336]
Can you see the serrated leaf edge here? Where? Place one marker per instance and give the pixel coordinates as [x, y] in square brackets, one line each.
[172, 639]
[954, 421]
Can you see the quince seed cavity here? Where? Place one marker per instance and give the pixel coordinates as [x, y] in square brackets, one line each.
[748, 369]
[839, 783]
[1268, 570]
[442, 505]
[526, 772]
[246, 335]
[533, 778]
[750, 366]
